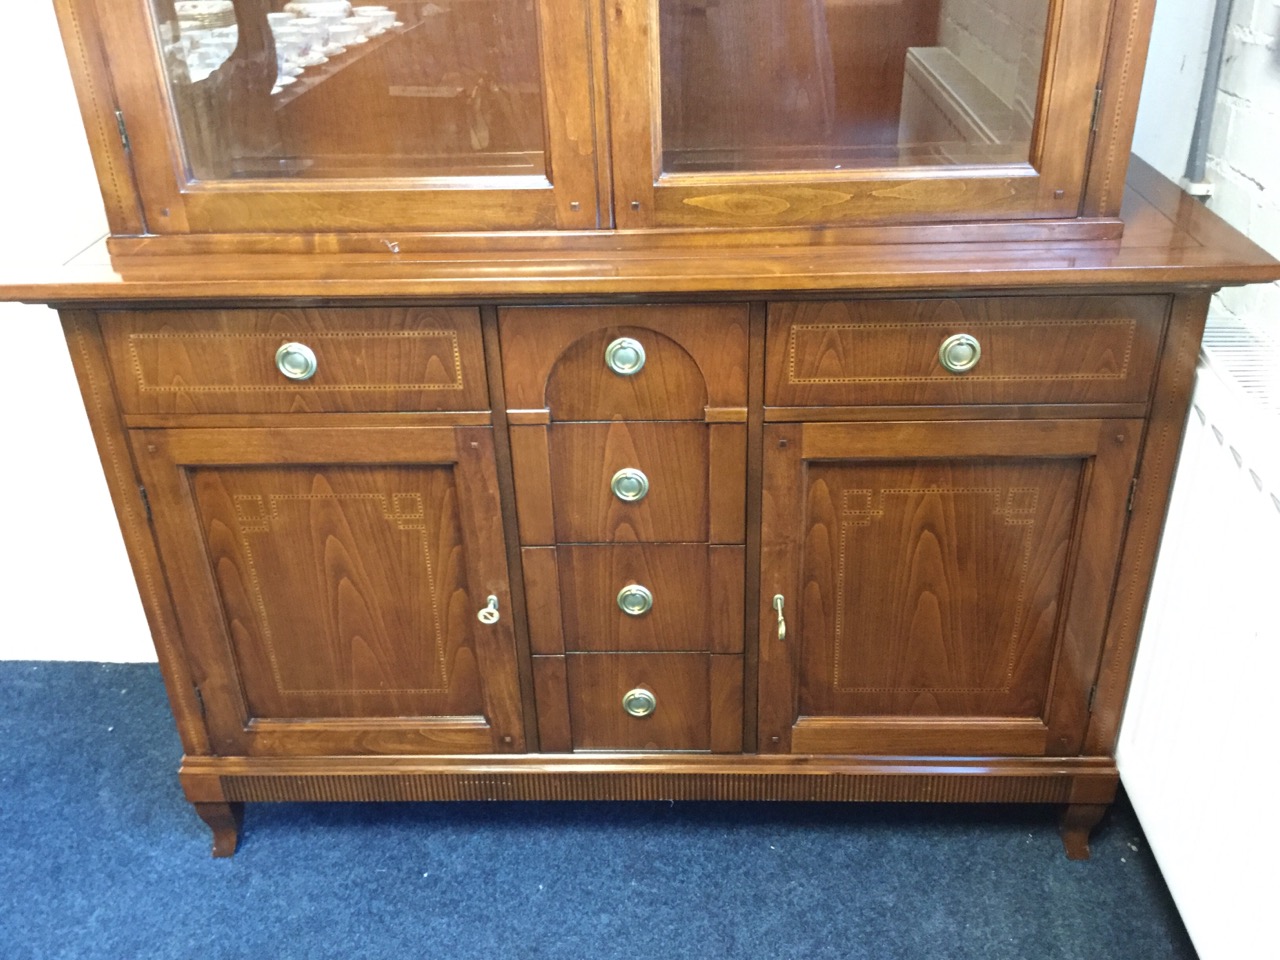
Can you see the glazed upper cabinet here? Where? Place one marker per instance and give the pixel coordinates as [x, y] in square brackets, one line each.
[750, 113]
[464, 115]
[268, 116]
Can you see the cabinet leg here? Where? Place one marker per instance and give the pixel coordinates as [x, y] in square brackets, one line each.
[1078, 821]
[224, 820]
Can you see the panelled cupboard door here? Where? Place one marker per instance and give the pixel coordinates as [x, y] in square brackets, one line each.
[944, 586]
[331, 585]
[456, 116]
[759, 113]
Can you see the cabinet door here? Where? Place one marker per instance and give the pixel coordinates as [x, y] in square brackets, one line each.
[460, 114]
[759, 113]
[944, 586]
[328, 581]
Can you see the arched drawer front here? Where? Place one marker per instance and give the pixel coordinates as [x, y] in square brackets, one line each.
[625, 362]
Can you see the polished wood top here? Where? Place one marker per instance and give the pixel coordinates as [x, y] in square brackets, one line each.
[1169, 240]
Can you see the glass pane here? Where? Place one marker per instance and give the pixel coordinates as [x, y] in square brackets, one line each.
[318, 88]
[838, 84]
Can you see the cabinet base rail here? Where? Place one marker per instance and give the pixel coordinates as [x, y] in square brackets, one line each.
[1083, 785]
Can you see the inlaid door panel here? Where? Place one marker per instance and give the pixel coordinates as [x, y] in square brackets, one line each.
[339, 590]
[944, 590]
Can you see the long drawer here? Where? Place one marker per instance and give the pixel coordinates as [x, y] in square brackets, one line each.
[991, 350]
[297, 360]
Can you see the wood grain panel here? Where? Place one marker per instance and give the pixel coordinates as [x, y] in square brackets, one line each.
[931, 587]
[585, 456]
[912, 737]
[542, 592]
[551, 688]
[696, 356]
[697, 597]
[332, 583]
[680, 682]
[727, 482]
[726, 704]
[978, 581]
[1034, 350]
[531, 464]
[321, 590]
[368, 359]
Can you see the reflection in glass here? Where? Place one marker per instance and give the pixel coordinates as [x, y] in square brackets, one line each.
[838, 84]
[322, 89]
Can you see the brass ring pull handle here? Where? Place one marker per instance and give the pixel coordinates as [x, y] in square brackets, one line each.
[635, 600]
[624, 356]
[489, 612]
[629, 484]
[296, 361]
[639, 702]
[778, 602]
[960, 353]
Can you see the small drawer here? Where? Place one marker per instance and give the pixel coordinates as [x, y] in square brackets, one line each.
[967, 350]
[297, 360]
[640, 701]
[629, 481]
[626, 362]
[661, 596]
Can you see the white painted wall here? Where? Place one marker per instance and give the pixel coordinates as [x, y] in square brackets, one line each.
[65, 586]
[1171, 84]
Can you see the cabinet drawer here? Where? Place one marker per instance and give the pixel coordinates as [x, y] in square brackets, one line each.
[668, 477]
[679, 684]
[367, 359]
[625, 362]
[664, 596]
[1027, 350]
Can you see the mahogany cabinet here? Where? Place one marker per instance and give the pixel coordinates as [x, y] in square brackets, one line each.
[636, 399]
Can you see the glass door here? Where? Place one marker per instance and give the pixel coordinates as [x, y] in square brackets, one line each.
[796, 112]
[317, 115]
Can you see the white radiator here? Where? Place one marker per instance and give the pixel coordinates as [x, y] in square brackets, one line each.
[1195, 749]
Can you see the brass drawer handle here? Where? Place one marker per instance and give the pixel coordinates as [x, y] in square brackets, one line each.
[624, 356]
[489, 612]
[960, 353]
[639, 702]
[635, 600]
[778, 602]
[629, 484]
[296, 361]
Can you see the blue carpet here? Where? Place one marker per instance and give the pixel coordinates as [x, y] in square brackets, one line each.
[100, 856]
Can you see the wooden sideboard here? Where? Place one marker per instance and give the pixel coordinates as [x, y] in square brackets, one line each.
[576, 463]
[864, 576]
